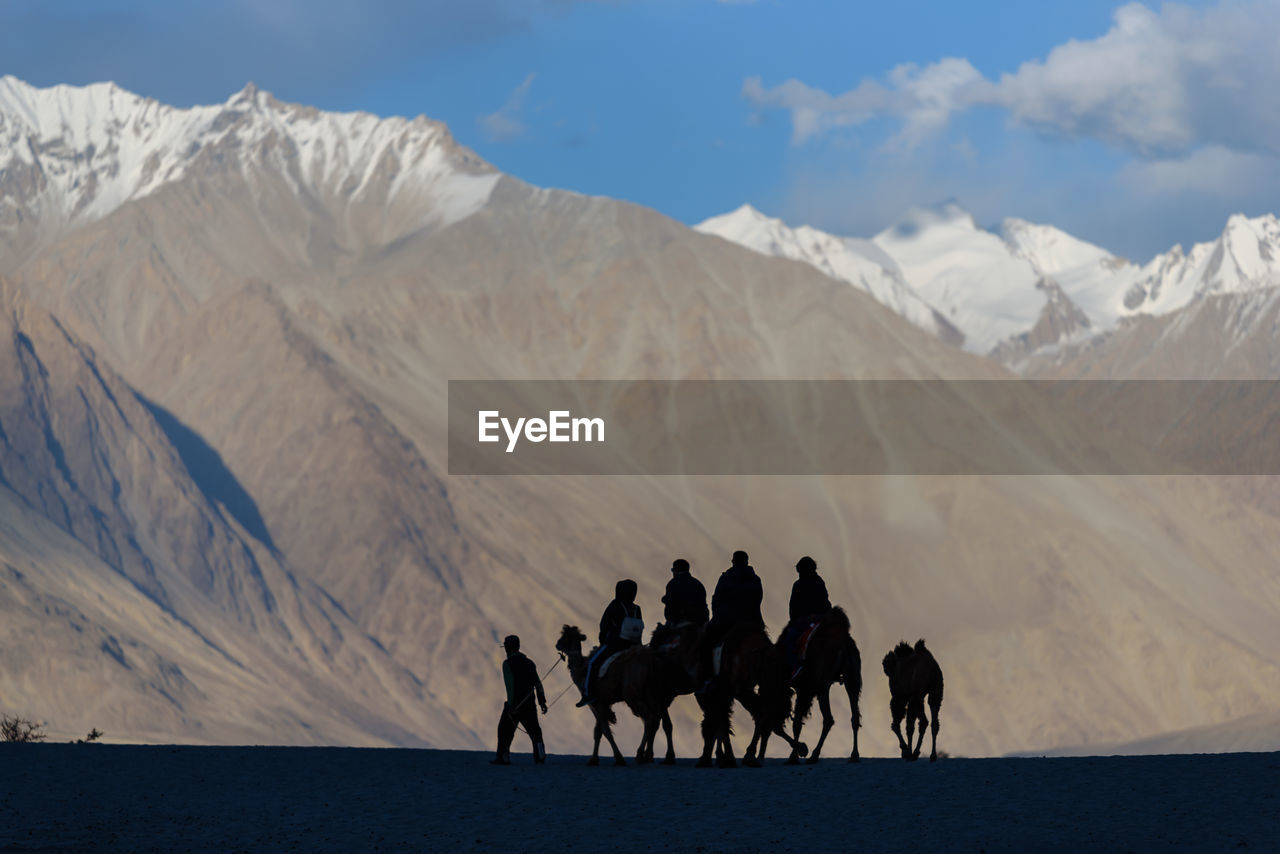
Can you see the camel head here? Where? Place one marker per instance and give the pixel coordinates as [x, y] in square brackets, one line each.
[571, 639]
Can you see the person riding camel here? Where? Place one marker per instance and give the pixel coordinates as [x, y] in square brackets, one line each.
[522, 683]
[686, 599]
[809, 601]
[735, 603]
[621, 627]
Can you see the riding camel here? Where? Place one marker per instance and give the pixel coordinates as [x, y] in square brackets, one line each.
[830, 655]
[751, 672]
[628, 679]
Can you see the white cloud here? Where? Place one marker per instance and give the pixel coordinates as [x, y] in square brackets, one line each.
[506, 123]
[1211, 171]
[1160, 84]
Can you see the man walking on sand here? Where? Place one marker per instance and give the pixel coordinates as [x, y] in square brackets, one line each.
[521, 678]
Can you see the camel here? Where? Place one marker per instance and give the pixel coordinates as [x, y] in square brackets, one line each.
[627, 681]
[675, 659]
[913, 673]
[831, 655]
[750, 662]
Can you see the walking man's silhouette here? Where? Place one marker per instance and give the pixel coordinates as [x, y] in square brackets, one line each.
[521, 677]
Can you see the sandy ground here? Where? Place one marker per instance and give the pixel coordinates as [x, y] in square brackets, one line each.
[124, 798]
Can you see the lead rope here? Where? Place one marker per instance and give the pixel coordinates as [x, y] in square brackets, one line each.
[512, 712]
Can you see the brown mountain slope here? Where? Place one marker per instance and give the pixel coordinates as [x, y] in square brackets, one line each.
[119, 562]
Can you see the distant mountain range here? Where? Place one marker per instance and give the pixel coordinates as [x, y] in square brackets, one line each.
[1021, 289]
[226, 334]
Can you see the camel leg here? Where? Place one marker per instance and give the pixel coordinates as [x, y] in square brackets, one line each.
[618, 758]
[804, 700]
[912, 714]
[853, 690]
[749, 758]
[726, 756]
[710, 735]
[644, 753]
[666, 728]
[918, 711]
[595, 748]
[898, 710]
[828, 720]
[935, 706]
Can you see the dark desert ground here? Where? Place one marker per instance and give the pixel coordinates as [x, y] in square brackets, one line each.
[168, 798]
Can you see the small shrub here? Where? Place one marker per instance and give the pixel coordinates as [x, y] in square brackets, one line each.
[18, 729]
[94, 735]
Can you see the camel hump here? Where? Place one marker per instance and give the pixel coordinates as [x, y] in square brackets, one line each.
[839, 619]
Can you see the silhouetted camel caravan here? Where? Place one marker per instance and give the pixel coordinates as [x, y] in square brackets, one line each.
[730, 658]
[913, 674]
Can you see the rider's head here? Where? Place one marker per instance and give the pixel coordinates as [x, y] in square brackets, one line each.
[625, 590]
[806, 564]
[679, 565]
[511, 644]
[740, 558]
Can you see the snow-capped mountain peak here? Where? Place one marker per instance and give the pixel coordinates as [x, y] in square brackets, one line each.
[79, 152]
[861, 263]
[1245, 257]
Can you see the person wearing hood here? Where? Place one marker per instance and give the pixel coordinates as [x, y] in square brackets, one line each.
[809, 599]
[621, 626]
[686, 599]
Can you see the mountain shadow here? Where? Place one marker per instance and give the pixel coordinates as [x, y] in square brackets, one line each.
[209, 472]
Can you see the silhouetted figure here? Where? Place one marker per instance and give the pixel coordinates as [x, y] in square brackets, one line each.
[830, 656]
[809, 599]
[734, 604]
[621, 626]
[913, 674]
[809, 602]
[686, 599]
[521, 678]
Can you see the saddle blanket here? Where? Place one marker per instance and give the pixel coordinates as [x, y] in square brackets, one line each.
[604, 665]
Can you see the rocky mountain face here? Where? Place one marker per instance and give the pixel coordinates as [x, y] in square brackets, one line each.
[277, 340]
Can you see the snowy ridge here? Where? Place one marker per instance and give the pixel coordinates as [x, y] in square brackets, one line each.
[1022, 287]
[861, 263]
[77, 153]
[1245, 257]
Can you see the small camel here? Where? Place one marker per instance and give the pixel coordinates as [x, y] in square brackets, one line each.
[913, 674]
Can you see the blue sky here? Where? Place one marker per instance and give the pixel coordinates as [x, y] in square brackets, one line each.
[1134, 126]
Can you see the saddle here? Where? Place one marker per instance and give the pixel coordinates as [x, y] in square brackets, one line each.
[796, 651]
